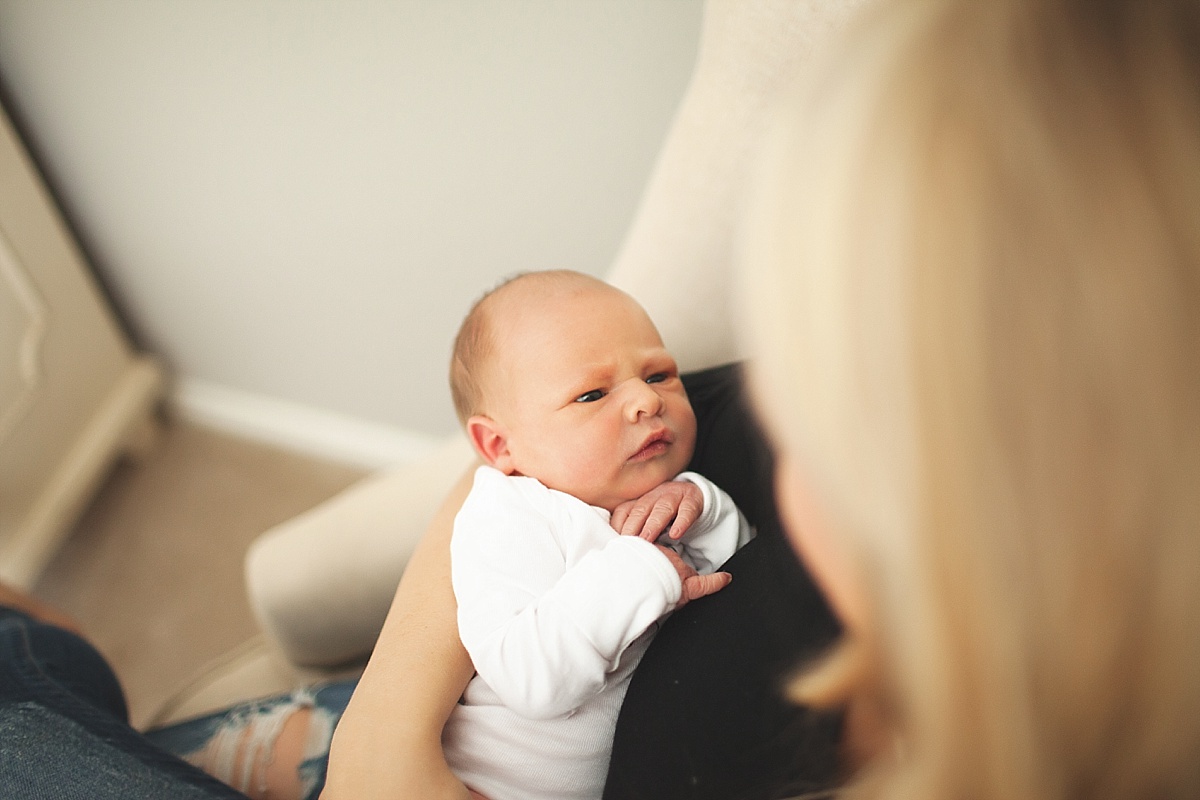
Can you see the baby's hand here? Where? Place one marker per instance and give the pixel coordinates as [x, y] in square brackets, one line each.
[649, 515]
[694, 584]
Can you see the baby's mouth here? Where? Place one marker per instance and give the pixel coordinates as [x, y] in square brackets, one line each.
[653, 447]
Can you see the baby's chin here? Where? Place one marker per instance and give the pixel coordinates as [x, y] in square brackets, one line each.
[652, 479]
[634, 484]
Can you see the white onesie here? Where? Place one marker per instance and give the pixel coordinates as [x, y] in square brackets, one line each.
[556, 610]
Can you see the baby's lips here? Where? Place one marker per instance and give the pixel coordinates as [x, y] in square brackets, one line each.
[657, 441]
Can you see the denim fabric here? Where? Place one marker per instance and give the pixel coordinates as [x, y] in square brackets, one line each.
[63, 728]
[254, 726]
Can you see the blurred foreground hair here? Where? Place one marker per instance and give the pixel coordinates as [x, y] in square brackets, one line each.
[973, 284]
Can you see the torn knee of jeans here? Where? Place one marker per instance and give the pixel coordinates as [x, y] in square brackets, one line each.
[242, 750]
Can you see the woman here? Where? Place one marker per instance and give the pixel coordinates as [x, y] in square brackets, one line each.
[975, 271]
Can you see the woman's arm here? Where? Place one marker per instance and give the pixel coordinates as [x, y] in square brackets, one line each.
[389, 742]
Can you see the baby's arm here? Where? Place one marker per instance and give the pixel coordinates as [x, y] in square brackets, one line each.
[544, 633]
[388, 742]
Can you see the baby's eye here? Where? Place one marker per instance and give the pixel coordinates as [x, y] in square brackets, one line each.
[590, 397]
[657, 377]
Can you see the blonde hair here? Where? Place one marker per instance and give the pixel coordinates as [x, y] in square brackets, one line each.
[476, 341]
[974, 296]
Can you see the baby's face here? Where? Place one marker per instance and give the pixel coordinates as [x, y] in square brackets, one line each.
[591, 399]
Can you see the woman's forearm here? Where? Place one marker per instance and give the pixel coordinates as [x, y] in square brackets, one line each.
[388, 743]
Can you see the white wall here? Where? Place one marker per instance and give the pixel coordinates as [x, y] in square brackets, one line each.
[296, 200]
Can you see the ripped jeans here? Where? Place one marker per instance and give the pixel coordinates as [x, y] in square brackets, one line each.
[240, 745]
[64, 732]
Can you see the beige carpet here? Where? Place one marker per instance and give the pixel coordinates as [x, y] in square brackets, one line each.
[153, 570]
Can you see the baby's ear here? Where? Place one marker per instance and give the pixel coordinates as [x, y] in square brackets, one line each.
[490, 440]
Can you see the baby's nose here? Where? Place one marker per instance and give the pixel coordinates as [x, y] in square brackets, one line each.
[643, 401]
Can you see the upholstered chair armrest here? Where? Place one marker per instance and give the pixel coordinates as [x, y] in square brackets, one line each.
[321, 583]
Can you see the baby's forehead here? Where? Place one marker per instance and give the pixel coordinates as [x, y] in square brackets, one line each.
[524, 292]
[548, 306]
[558, 311]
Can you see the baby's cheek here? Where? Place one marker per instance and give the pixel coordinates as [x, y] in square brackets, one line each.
[686, 446]
[686, 423]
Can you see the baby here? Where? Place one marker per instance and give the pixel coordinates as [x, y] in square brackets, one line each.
[569, 397]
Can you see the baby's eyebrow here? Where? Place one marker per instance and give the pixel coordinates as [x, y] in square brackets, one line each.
[587, 379]
[661, 358]
[598, 370]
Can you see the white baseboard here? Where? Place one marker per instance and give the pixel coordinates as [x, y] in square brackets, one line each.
[296, 427]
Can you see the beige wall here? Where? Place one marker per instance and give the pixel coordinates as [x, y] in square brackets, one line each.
[296, 200]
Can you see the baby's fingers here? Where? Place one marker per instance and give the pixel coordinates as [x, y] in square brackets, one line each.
[632, 518]
[619, 515]
[699, 586]
[658, 518]
[646, 520]
[691, 506]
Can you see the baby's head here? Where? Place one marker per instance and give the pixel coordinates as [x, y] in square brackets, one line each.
[559, 376]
